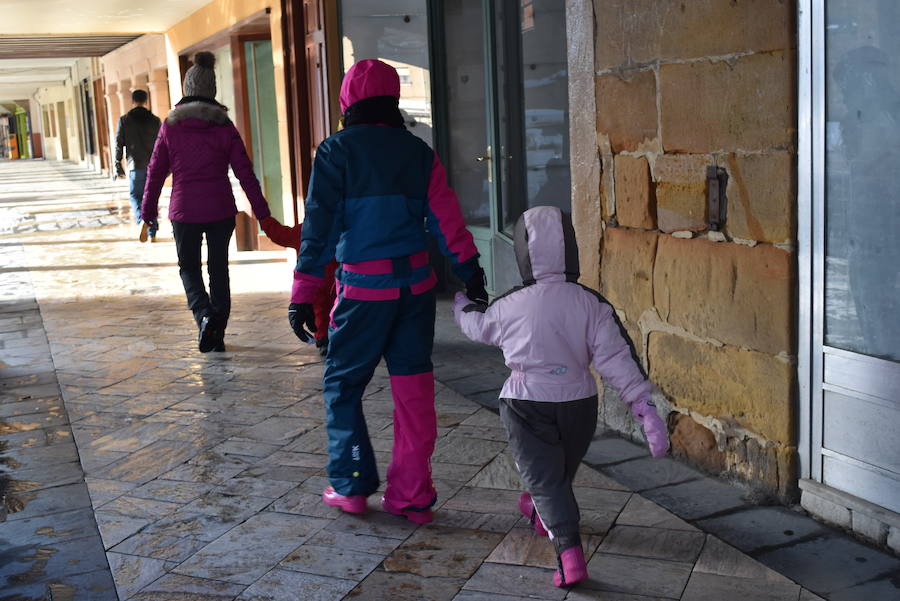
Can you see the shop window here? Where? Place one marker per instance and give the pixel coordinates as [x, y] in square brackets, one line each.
[862, 124]
[395, 31]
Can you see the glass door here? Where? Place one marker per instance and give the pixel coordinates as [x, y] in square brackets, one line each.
[469, 121]
[856, 249]
[507, 118]
[500, 90]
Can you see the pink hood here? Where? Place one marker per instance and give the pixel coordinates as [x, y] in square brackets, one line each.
[545, 246]
[366, 79]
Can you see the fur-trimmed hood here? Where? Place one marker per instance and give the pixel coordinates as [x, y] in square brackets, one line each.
[215, 114]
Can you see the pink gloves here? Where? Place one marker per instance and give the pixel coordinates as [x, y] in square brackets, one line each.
[654, 429]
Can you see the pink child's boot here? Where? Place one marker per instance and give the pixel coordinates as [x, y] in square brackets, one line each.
[572, 568]
[526, 506]
[413, 514]
[350, 504]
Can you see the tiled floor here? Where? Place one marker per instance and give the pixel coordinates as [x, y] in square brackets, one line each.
[203, 472]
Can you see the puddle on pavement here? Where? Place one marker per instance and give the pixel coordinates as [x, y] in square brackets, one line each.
[14, 494]
[37, 561]
[50, 531]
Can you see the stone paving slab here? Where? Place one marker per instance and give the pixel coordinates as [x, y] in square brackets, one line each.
[698, 498]
[646, 473]
[503, 578]
[205, 471]
[721, 559]
[90, 586]
[759, 528]
[654, 543]
[830, 564]
[710, 587]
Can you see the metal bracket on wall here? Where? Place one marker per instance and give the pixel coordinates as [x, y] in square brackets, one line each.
[716, 201]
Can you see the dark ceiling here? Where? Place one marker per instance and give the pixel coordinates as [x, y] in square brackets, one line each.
[58, 46]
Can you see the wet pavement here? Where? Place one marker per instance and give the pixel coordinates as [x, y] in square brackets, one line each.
[136, 468]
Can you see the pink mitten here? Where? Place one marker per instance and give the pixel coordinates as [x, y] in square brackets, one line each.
[654, 429]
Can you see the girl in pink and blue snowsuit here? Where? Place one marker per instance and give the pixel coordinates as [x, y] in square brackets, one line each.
[374, 189]
[551, 330]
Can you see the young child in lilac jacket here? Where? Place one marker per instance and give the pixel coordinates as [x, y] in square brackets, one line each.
[551, 330]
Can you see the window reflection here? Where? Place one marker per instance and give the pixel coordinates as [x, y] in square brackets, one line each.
[395, 31]
[543, 87]
[862, 297]
[467, 166]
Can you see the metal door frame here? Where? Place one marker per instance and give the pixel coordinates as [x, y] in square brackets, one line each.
[809, 385]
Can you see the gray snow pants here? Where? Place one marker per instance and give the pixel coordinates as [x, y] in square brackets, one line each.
[548, 440]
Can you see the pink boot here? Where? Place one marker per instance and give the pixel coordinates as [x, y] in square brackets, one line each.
[350, 504]
[414, 515]
[572, 568]
[526, 506]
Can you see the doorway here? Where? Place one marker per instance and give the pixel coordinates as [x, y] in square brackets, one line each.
[63, 129]
[263, 122]
[22, 133]
[850, 216]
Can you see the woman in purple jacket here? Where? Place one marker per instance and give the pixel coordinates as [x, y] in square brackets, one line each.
[549, 402]
[196, 144]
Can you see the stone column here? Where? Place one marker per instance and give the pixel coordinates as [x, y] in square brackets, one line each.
[124, 96]
[139, 82]
[158, 85]
[112, 103]
[114, 111]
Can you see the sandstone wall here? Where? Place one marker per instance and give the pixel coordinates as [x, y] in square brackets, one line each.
[679, 87]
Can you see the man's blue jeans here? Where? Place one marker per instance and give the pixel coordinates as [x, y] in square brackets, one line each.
[136, 180]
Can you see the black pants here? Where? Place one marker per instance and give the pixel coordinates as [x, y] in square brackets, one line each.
[548, 441]
[188, 238]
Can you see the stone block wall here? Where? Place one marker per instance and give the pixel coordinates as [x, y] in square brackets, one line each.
[680, 87]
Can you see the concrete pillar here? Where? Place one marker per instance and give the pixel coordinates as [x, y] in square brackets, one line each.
[114, 111]
[158, 85]
[124, 96]
[139, 82]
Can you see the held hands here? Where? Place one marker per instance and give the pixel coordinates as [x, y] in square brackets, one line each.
[475, 287]
[303, 321]
[654, 428]
[282, 235]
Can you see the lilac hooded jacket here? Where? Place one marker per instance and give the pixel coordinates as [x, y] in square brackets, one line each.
[552, 329]
[197, 143]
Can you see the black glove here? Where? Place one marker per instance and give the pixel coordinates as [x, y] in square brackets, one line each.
[300, 315]
[475, 287]
[119, 172]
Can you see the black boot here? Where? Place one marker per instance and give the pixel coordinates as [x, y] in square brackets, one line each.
[220, 343]
[208, 337]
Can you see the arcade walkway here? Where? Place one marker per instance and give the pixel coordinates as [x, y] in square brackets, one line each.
[136, 468]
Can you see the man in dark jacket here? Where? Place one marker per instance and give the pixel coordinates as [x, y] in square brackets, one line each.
[137, 133]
